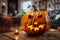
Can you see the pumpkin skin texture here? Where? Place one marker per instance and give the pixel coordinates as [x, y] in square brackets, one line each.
[8, 20]
[35, 22]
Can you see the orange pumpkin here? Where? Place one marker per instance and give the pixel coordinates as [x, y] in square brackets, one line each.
[35, 22]
[8, 20]
[58, 28]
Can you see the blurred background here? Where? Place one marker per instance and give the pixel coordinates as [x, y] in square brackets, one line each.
[11, 11]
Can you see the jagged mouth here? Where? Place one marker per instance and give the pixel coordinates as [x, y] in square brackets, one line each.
[36, 27]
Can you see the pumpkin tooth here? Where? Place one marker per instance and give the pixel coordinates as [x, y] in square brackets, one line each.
[31, 27]
[41, 26]
[36, 28]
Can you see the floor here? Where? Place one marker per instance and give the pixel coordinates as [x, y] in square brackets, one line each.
[2, 37]
[50, 35]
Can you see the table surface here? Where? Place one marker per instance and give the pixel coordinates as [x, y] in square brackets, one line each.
[52, 34]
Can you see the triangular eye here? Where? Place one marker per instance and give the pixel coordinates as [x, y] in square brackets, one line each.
[40, 16]
[30, 16]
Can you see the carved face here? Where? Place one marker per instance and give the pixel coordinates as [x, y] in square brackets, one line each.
[35, 22]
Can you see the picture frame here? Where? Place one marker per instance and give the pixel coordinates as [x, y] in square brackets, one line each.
[57, 6]
[57, 1]
[43, 5]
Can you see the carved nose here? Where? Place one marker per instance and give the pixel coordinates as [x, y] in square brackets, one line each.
[35, 24]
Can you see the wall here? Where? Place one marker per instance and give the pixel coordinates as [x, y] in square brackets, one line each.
[51, 6]
[20, 2]
[55, 5]
[51, 2]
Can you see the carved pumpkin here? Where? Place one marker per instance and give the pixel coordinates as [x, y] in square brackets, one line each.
[35, 22]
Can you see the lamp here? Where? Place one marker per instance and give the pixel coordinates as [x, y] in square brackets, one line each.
[3, 4]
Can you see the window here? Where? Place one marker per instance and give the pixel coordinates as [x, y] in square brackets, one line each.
[25, 5]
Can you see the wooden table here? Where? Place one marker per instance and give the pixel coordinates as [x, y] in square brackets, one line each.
[52, 34]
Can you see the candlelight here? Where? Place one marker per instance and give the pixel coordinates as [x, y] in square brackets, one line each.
[16, 31]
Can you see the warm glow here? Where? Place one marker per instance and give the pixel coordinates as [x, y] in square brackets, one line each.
[36, 28]
[16, 31]
[16, 37]
[15, 11]
[3, 4]
[31, 27]
[52, 30]
[35, 23]
[41, 26]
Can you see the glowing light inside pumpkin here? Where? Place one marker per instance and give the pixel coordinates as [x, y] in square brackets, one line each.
[41, 26]
[35, 23]
[36, 28]
[31, 27]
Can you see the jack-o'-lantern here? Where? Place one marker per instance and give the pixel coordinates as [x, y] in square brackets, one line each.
[35, 22]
